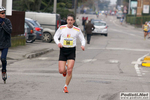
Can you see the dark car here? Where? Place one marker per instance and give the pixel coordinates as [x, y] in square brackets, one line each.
[29, 32]
[37, 27]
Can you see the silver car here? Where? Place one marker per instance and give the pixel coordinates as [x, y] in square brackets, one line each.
[119, 15]
[100, 28]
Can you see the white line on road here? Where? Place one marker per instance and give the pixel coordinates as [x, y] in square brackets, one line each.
[126, 49]
[145, 87]
[126, 33]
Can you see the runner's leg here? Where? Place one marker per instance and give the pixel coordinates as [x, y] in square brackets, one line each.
[70, 64]
[62, 68]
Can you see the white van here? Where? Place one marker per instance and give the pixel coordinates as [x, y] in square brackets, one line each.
[50, 23]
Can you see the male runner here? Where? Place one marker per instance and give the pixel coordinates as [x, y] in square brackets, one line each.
[67, 44]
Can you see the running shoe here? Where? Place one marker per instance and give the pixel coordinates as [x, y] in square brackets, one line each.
[65, 90]
[65, 73]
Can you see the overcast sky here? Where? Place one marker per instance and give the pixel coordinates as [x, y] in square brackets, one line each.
[113, 1]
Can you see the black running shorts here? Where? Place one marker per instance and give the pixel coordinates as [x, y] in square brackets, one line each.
[67, 54]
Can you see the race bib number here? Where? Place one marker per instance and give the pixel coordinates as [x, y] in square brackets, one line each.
[68, 42]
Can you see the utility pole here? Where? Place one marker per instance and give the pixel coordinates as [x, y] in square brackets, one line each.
[129, 7]
[75, 7]
[55, 6]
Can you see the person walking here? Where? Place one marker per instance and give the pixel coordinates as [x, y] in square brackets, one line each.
[145, 29]
[5, 40]
[67, 45]
[88, 30]
[77, 21]
[83, 23]
[121, 20]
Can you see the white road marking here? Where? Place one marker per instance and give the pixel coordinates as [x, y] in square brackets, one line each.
[132, 34]
[125, 33]
[126, 49]
[42, 58]
[89, 60]
[114, 61]
[145, 87]
[135, 62]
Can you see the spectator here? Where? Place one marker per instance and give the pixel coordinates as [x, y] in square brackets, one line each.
[83, 22]
[121, 20]
[77, 21]
[89, 28]
[5, 40]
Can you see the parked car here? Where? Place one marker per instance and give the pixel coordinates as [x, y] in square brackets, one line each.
[119, 15]
[100, 28]
[92, 20]
[37, 27]
[29, 32]
[50, 23]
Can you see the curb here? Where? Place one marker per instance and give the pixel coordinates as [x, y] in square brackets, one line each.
[37, 53]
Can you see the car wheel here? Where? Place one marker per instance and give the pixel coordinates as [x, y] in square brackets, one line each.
[30, 41]
[47, 37]
[106, 35]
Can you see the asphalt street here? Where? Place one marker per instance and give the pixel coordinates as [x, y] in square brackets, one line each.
[108, 66]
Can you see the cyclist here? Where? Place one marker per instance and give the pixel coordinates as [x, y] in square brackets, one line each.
[67, 44]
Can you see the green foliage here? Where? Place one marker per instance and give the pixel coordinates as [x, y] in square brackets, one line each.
[61, 5]
[43, 6]
[126, 1]
[18, 41]
[63, 12]
[137, 20]
[103, 5]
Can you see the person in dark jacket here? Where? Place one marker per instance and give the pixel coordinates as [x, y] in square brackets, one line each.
[5, 39]
[83, 23]
[88, 30]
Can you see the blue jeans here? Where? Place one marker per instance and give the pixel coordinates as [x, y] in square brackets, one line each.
[3, 58]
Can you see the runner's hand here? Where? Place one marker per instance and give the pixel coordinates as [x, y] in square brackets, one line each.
[82, 47]
[60, 45]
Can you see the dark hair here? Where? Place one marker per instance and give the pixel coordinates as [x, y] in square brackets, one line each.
[71, 15]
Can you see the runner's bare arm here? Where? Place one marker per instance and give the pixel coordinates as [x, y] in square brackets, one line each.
[82, 47]
[82, 40]
[56, 36]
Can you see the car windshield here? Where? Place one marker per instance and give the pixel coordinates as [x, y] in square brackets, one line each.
[99, 24]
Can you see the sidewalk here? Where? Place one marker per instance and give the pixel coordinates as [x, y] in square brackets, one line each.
[130, 26]
[30, 50]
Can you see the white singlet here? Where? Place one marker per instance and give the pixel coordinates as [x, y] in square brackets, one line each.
[68, 36]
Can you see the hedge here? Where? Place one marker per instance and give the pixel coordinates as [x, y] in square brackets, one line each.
[137, 20]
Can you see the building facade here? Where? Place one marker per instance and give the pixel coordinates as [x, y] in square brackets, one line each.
[141, 4]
